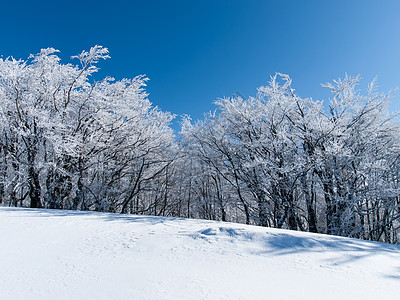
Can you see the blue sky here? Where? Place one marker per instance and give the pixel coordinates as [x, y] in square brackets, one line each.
[197, 51]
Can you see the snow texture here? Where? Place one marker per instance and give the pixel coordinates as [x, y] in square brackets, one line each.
[54, 254]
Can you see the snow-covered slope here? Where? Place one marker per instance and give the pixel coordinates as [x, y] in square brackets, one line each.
[53, 254]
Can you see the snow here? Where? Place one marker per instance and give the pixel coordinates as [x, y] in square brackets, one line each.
[54, 254]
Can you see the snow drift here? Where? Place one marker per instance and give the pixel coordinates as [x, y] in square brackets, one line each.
[54, 254]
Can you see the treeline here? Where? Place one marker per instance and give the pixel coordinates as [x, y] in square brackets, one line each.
[275, 160]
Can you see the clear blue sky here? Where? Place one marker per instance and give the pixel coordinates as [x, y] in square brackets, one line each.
[197, 51]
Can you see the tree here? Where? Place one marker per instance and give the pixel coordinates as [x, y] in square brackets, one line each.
[72, 143]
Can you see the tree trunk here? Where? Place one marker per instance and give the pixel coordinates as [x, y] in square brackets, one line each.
[33, 181]
[310, 202]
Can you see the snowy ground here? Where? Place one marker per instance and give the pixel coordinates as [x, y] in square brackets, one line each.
[53, 254]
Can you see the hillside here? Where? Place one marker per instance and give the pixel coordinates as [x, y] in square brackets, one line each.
[54, 254]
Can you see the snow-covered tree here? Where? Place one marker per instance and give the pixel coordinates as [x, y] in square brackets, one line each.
[289, 160]
[69, 142]
[277, 159]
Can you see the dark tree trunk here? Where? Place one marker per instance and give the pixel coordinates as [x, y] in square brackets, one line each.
[310, 202]
[34, 188]
[263, 219]
[33, 181]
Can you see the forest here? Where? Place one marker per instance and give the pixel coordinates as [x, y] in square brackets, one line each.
[275, 160]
